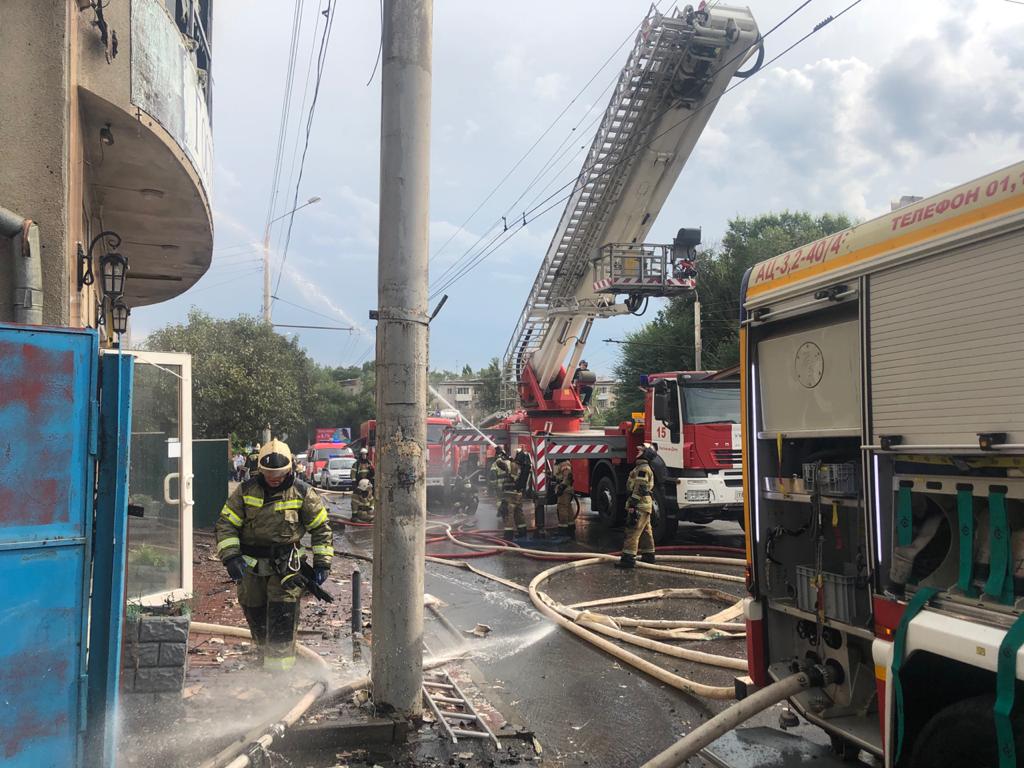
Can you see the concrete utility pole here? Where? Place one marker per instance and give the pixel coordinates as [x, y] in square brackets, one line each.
[398, 533]
[698, 346]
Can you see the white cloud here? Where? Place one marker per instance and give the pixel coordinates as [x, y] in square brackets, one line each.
[549, 86]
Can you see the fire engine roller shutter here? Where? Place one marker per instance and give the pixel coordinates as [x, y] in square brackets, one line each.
[947, 345]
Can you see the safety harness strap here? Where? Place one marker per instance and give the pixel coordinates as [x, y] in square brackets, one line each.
[899, 649]
[965, 516]
[904, 518]
[1006, 687]
[1000, 578]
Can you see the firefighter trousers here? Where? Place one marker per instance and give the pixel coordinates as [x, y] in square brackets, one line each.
[564, 508]
[638, 533]
[272, 613]
[513, 511]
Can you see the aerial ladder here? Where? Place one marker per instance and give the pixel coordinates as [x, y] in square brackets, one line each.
[680, 65]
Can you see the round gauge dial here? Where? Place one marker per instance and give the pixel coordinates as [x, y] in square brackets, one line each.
[809, 364]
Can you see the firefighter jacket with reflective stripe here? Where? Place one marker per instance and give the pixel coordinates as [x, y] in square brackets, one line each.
[261, 517]
[363, 470]
[505, 473]
[563, 475]
[640, 485]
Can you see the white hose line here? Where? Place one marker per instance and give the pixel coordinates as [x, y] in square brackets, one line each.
[729, 561]
[668, 625]
[658, 673]
[660, 594]
[303, 704]
[725, 721]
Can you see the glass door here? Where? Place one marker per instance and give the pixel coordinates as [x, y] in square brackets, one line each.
[160, 480]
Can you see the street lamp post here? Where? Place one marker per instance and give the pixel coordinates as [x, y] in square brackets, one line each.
[266, 256]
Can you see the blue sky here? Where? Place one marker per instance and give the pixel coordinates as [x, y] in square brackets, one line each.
[891, 99]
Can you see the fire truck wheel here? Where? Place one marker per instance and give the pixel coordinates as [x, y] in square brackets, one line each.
[664, 526]
[606, 501]
[964, 733]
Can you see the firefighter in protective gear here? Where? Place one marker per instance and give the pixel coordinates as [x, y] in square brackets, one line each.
[563, 495]
[362, 502]
[363, 469]
[258, 535]
[638, 511]
[506, 473]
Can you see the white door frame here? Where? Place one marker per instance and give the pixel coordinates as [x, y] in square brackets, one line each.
[163, 360]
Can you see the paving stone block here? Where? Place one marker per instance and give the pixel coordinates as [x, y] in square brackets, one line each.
[164, 629]
[142, 655]
[172, 654]
[159, 679]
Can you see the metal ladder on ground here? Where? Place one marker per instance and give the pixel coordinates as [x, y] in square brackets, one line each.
[453, 709]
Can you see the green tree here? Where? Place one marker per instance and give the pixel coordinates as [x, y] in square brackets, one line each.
[244, 375]
[490, 392]
[666, 343]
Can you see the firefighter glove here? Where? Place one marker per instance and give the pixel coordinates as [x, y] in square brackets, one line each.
[320, 573]
[632, 517]
[236, 567]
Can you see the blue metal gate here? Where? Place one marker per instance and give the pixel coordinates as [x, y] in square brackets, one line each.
[49, 437]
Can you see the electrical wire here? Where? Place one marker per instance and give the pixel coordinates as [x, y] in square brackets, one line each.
[380, 47]
[282, 130]
[305, 308]
[330, 12]
[536, 143]
[526, 219]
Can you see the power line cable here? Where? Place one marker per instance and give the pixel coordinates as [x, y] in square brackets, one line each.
[536, 142]
[282, 129]
[302, 111]
[305, 308]
[330, 13]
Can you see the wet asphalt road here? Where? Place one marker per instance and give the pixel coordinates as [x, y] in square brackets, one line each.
[586, 708]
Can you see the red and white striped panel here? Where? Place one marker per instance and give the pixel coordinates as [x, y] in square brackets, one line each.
[673, 282]
[469, 439]
[539, 447]
[446, 449]
[562, 450]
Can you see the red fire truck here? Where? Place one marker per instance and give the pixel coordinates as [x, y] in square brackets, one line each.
[692, 417]
[436, 471]
[680, 65]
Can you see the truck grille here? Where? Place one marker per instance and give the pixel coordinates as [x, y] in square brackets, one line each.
[727, 455]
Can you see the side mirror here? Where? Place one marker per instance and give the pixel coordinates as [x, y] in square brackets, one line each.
[663, 402]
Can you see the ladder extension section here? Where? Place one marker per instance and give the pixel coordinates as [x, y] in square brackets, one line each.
[453, 710]
[676, 67]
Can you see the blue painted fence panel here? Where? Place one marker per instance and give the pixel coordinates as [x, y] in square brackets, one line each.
[47, 442]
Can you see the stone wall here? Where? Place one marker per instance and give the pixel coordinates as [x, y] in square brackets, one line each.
[154, 654]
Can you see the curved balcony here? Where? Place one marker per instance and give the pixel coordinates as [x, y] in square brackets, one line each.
[147, 140]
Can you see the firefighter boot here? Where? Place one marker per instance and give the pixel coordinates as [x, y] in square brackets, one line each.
[509, 535]
[571, 528]
[563, 530]
[256, 618]
[282, 622]
[521, 532]
[626, 561]
[647, 557]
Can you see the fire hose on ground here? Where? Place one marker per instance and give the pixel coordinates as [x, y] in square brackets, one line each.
[262, 736]
[728, 719]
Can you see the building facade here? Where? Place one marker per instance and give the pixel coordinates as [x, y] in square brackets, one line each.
[464, 394]
[106, 148]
